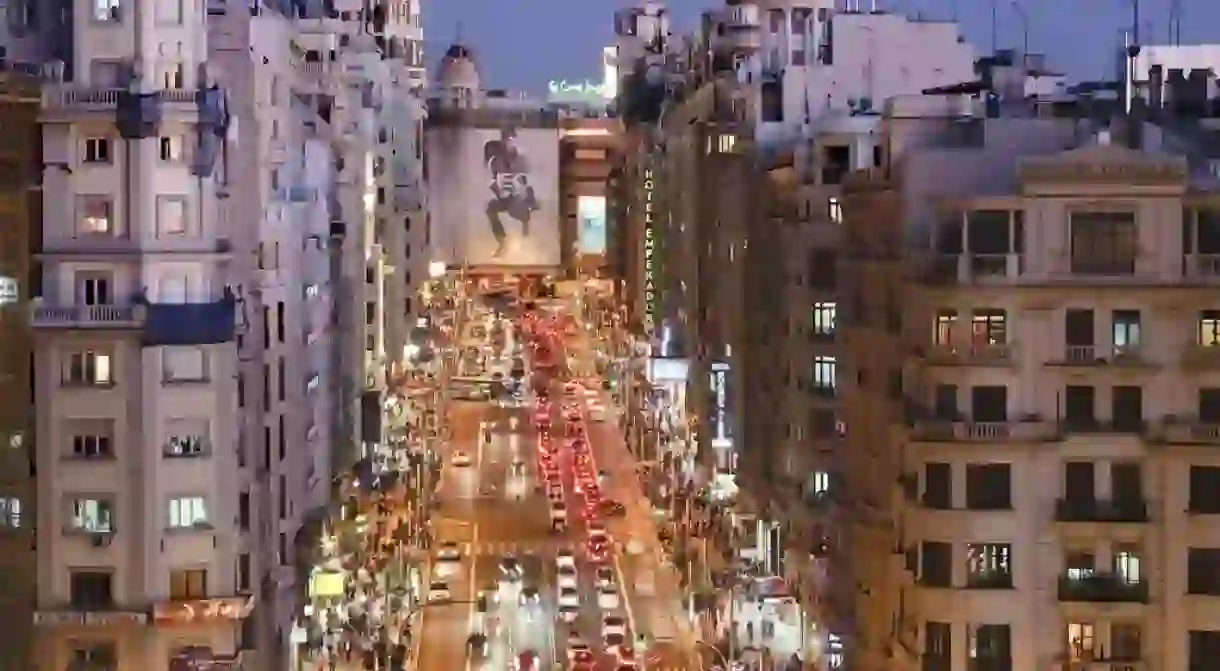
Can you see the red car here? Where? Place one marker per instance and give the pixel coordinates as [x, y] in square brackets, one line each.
[597, 553]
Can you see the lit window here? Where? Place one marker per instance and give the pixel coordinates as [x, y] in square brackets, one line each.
[89, 368]
[10, 512]
[834, 210]
[93, 516]
[172, 147]
[821, 482]
[186, 438]
[824, 374]
[1080, 640]
[107, 11]
[725, 143]
[97, 150]
[1209, 328]
[187, 512]
[91, 446]
[188, 584]
[824, 318]
[96, 216]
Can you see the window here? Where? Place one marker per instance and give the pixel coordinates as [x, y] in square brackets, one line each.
[184, 364]
[10, 512]
[1128, 565]
[1204, 490]
[370, 313]
[107, 11]
[93, 655]
[937, 486]
[1127, 409]
[989, 327]
[171, 216]
[92, 516]
[169, 12]
[97, 150]
[1103, 243]
[173, 75]
[91, 590]
[95, 215]
[988, 487]
[824, 319]
[1126, 641]
[990, 642]
[1081, 642]
[725, 143]
[187, 512]
[186, 437]
[188, 584]
[834, 210]
[937, 639]
[1203, 571]
[1209, 328]
[824, 382]
[243, 573]
[1080, 407]
[989, 565]
[93, 289]
[1125, 330]
[172, 148]
[89, 367]
[935, 564]
[91, 439]
[946, 323]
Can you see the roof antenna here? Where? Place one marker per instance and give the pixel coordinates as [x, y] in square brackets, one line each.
[457, 33]
[1133, 52]
[1175, 22]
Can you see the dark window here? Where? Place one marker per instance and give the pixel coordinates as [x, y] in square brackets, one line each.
[823, 269]
[1204, 490]
[990, 642]
[1079, 404]
[989, 404]
[988, 487]
[1204, 649]
[243, 572]
[1103, 243]
[1127, 409]
[280, 330]
[91, 590]
[937, 639]
[1078, 328]
[1203, 571]
[988, 232]
[938, 486]
[1079, 481]
[1126, 482]
[772, 101]
[266, 327]
[1209, 405]
[946, 403]
[281, 380]
[243, 511]
[936, 564]
[282, 447]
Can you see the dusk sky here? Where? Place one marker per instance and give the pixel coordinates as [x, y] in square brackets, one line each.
[524, 43]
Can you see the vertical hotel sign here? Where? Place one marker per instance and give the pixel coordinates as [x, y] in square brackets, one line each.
[651, 259]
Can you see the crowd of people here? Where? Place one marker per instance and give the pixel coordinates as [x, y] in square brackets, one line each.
[368, 627]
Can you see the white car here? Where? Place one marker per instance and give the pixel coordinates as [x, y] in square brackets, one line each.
[569, 597]
[565, 558]
[460, 459]
[614, 625]
[438, 592]
[605, 577]
[448, 552]
[597, 415]
[567, 577]
[608, 599]
[569, 614]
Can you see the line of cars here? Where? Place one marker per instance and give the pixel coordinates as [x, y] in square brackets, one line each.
[572, 451]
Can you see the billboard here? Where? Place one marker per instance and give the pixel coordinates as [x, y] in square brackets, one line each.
[495, 196]
[591, 210]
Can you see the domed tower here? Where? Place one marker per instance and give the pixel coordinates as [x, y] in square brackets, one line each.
[459, 79]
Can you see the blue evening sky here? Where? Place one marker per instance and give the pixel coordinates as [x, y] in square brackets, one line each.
[524, 43]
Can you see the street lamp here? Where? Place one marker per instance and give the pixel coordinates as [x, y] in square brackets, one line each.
[437, 269]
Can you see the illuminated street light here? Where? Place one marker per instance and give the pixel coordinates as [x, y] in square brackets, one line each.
[437, 269]
[411, 350]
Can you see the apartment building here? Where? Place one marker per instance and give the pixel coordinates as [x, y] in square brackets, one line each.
[19, 209]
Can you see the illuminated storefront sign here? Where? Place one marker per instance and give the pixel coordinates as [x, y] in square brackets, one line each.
[719, 384]
[562, 90]
[76, 618]
[650, 248]
[228, 608]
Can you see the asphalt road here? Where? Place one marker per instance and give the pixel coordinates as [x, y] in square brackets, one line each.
[490, 510]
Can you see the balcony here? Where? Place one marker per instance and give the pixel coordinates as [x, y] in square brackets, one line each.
[970, 355]
[1197, 357]
[73, 616]
[1079, 355]
[1131, 511]
[76, 98]
[1102, 588]
[974, 269]
[190, 323]
[1187, 431]
[1203, 268]
[75, 317]
[985, 432]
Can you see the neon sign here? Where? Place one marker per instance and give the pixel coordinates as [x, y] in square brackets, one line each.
[563, 89]
[650, 248]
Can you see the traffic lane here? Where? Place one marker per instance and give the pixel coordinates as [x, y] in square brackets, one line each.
[443, 646]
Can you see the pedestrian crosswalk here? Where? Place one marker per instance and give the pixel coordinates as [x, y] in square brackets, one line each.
[520, 548]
